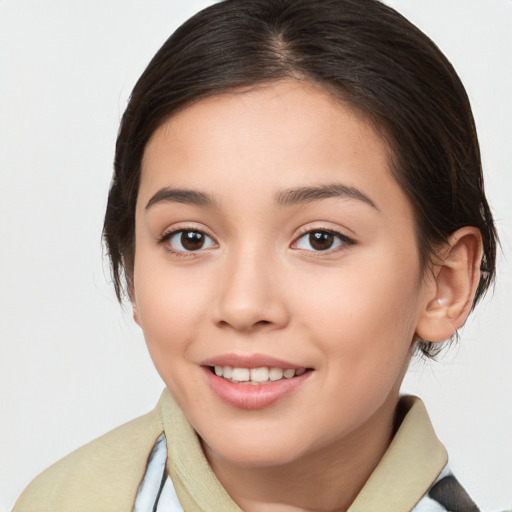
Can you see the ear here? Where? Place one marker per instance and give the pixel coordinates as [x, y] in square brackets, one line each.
[455, 279]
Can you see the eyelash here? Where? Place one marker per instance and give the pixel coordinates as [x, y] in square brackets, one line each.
[343, 241]
[167, 237]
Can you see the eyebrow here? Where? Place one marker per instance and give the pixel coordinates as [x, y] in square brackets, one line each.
[180, 195]
[289, 197]
[300, 195]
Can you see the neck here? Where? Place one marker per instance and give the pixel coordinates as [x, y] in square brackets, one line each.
[328, 479]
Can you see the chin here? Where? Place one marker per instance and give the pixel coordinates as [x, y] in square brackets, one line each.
[253, 451]
[242, 457]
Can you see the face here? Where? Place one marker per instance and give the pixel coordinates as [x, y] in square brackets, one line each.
[277, 277]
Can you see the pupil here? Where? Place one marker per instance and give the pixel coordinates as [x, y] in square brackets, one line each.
[192, 240]
[320, 240]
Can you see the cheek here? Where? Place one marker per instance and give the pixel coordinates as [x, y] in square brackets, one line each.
[169, 306]
[363, 323]
[169, 313]
[365, 313]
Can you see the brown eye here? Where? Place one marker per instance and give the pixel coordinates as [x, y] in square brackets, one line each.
[321, 240]
[192, 240]
[189, 240]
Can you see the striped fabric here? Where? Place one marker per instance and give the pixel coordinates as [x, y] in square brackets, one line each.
[156, 492]
[446, 494]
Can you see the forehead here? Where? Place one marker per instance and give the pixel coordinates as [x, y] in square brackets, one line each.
[292, 102]
[269, 137]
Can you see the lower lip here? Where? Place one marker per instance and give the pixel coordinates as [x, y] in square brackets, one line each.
[248, 396]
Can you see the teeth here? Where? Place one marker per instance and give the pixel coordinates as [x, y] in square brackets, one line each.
[256, 375]
[241, 374]
[276, 373]
[259, 374]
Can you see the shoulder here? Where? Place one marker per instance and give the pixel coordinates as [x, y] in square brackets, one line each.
[102, 476]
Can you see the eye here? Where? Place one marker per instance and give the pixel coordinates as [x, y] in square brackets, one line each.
[188, 240]
[319, 240]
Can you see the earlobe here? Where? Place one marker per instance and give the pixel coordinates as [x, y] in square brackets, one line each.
[455, 279]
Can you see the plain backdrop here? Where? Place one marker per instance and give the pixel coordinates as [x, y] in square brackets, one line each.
[72, 364]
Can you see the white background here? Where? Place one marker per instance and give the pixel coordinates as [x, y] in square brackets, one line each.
[72, 365]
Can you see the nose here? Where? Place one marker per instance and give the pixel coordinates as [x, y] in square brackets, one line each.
[250, 294]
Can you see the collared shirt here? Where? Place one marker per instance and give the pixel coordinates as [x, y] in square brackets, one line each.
[156, 463]
[412, 476]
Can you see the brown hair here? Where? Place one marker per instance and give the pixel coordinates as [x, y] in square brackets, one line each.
[360, 51]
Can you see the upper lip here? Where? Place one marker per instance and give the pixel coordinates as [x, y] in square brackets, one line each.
[250, 361]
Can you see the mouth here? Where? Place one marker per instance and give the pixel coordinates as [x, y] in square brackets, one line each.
[256, 376]
[254, 383]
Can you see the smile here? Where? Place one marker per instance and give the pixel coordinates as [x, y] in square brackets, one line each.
[256, 376]
[254, 387]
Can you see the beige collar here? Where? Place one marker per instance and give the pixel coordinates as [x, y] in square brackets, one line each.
[195, 483]
[409, 467]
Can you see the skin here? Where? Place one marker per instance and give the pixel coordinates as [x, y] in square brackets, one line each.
[350, 313]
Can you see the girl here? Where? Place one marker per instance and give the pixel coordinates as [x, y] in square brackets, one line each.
[297, 208]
